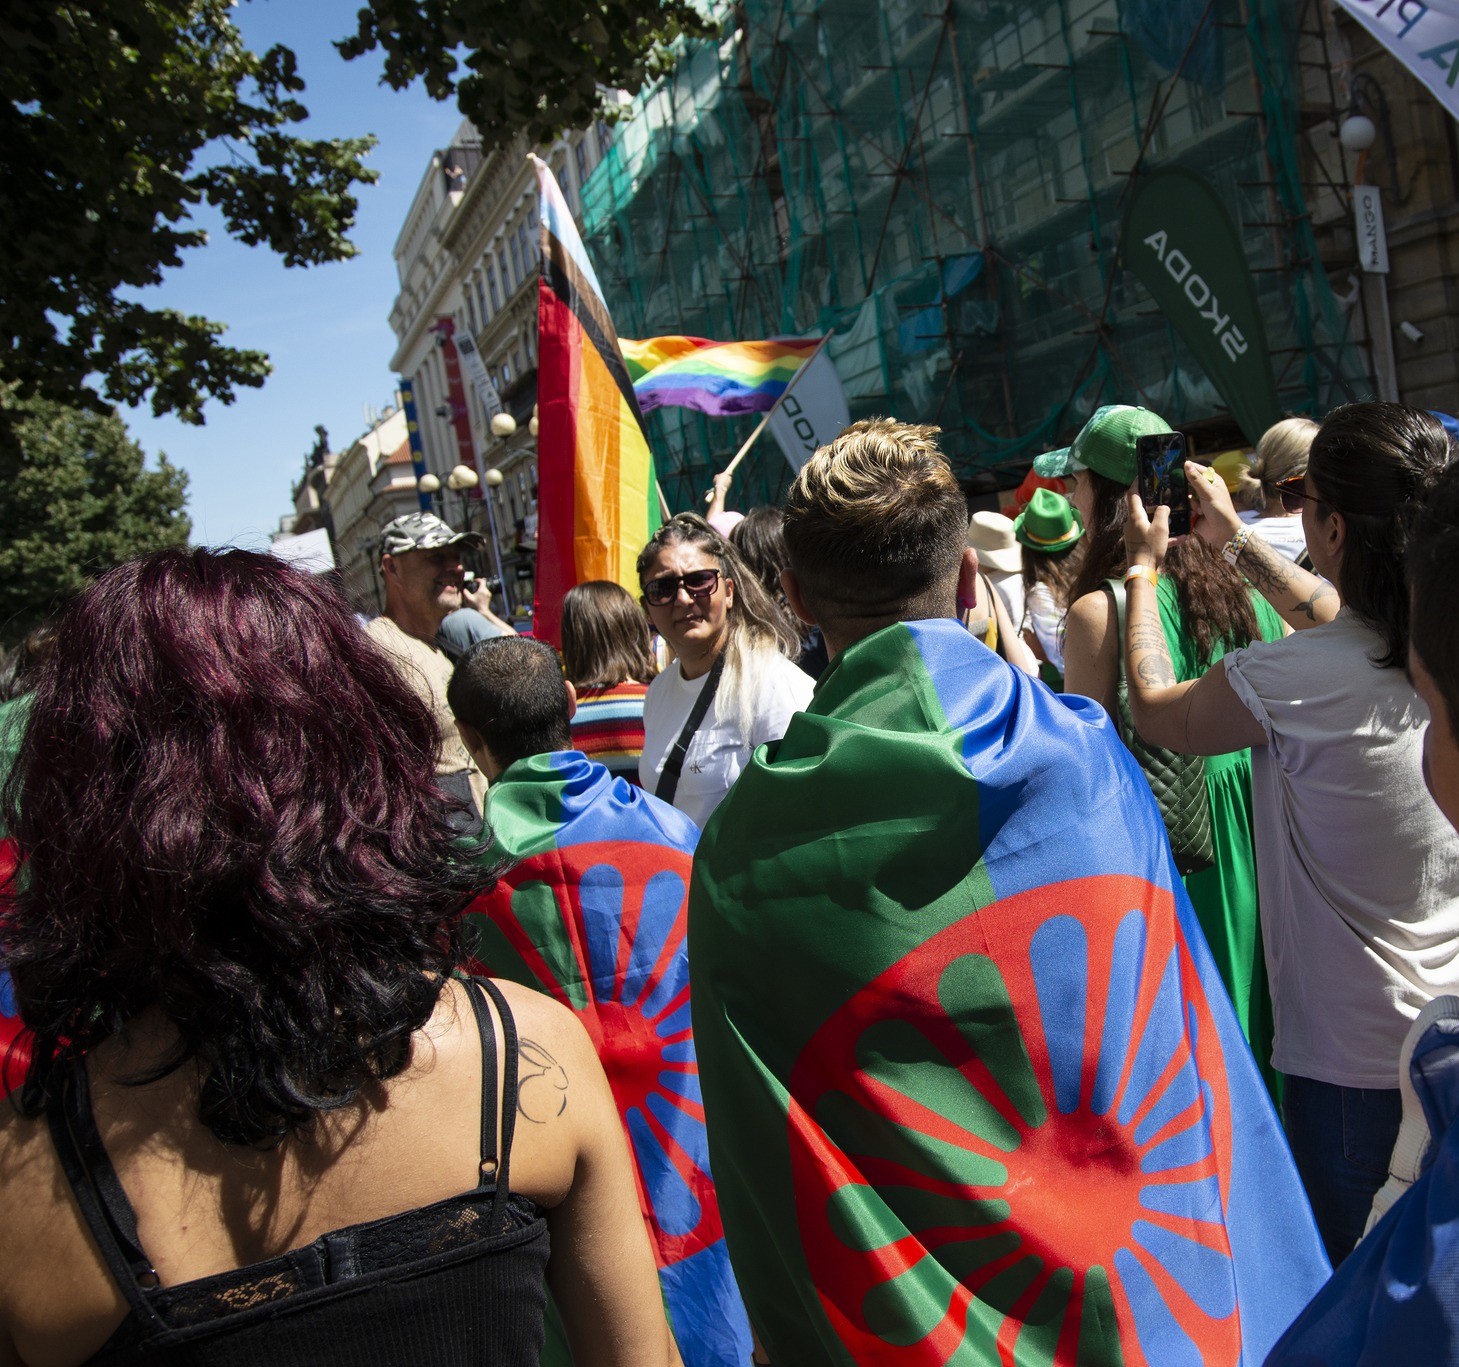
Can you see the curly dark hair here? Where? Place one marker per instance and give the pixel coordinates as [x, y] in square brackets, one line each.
[226, 803]
[1215, 603]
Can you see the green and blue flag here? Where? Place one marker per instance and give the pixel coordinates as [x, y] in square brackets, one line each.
[975, 1091]
[593, 912]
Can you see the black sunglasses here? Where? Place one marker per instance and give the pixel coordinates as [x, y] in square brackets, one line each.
[664, 589]
[1292, 492]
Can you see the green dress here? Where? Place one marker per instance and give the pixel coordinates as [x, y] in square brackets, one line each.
[1224, 895]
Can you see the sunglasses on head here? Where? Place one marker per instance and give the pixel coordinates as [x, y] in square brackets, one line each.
[664, 589]
[1292, 493]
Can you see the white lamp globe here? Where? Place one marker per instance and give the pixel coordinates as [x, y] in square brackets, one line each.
[428, 484]
[503, 425]
[494, 478]
[463, 477]
[1357, 133]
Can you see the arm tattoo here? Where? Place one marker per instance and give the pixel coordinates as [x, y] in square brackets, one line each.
[1308, 605]
[1268, 572]
[541, 1084]
[1155, 671]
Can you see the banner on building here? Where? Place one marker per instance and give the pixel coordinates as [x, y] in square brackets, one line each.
[812, 414]
[412, 431]
[1181, 243]
[1422, 34]
[491, 401]
[445, 329]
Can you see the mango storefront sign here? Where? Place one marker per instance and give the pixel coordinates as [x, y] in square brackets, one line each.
[1181, 244]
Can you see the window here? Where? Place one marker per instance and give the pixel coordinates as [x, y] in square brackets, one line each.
[516, 251]
[481, 299]
[605, 139]
[471, 310]
[580, 156]
[496, 302]
[524, 237]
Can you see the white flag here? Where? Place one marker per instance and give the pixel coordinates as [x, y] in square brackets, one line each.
[480, 380]
[813, 413]
[1422, 34]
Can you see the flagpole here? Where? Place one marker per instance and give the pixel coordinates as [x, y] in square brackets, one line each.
[774, 408]
[663, 502]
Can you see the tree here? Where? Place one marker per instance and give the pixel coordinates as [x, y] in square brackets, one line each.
[531, 66]
[122, 117]
[75, 499]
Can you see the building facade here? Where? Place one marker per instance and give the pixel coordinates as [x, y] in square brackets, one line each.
[945, 188]
[468, 262]
[372, 482]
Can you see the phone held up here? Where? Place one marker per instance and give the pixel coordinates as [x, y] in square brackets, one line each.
[1161, 461]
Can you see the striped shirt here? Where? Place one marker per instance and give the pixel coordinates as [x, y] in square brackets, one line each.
[608, 727]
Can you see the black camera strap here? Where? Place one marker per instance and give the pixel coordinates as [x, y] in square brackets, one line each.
[668, 783]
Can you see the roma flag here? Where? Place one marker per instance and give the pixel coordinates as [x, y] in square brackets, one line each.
[597, 499]
[593, 912]
[975, 1091]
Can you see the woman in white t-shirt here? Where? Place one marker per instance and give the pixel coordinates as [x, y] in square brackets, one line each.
[733, 684]
[1270, 493]
[1357, 869]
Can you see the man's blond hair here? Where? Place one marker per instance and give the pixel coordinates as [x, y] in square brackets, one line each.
[875, 524]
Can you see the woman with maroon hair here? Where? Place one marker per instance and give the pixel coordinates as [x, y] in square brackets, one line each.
[263, 1119]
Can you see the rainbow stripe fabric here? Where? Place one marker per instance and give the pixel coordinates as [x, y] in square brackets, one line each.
[608, 727]
[651, 353]
[719, 378]
[597, 500]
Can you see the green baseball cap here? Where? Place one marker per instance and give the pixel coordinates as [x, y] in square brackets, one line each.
[1105, 444]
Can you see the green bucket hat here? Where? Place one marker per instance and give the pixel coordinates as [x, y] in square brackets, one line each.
[1049, 524]
[1105, 444]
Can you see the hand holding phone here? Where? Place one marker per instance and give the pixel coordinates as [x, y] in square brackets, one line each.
[1160, 459]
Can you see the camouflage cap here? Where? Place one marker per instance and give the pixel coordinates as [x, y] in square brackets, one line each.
[423, 532]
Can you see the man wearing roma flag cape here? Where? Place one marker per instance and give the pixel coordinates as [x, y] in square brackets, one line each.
[598, 502]
[593, 911]
[975, 1093]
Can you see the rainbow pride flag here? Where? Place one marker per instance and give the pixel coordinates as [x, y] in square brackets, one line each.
[597, 499]
[720, 378]
[652, 352]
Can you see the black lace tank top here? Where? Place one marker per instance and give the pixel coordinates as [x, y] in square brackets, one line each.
[459, 1282]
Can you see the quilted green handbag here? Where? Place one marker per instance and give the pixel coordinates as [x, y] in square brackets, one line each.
[1178, 781]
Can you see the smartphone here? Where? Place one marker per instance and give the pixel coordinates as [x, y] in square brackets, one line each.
[1161, 461]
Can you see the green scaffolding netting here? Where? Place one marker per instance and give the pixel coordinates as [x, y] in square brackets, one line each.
[944, 187]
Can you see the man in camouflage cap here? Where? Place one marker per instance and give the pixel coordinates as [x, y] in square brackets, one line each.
[420, 562]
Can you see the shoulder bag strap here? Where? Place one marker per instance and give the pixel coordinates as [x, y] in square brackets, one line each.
[668, 783]
[494, 1164]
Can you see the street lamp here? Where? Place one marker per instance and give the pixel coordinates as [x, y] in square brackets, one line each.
[503, 425]
[494, 479]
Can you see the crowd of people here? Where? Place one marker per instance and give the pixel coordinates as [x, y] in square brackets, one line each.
[894, 936]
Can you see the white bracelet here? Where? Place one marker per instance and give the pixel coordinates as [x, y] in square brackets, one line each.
[1231, 551]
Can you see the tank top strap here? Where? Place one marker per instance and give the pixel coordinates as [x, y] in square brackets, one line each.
[99, 1193]
[493, 1165]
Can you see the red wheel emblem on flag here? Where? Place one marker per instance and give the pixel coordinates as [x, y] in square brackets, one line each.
[1048, 1179]
[600, 926]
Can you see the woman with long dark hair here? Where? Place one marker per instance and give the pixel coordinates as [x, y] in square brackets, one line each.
[1205, 610]
[263, 1119]
[732, 685]
[608, 657]
[1359, 873]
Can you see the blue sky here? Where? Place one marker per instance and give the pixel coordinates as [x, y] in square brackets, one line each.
[325, 328]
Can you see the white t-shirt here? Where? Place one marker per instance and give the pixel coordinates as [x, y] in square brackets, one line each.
[1283, 534]
[1047, 620]
[719, 750]
[1009, 587]
[1358, 870]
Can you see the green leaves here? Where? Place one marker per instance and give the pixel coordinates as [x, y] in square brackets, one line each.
[536, 66]
[75, 499]
[122, 117]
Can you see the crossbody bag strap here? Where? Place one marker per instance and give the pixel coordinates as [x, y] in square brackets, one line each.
[668, 783]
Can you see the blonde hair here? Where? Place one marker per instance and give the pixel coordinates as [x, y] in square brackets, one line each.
[758, 630]
[1280, 454]
[875, 521]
